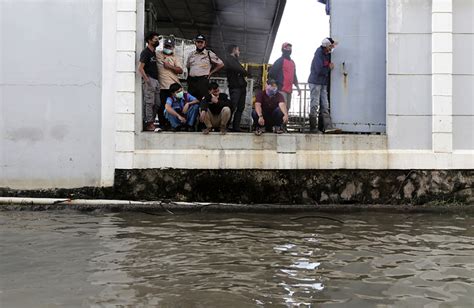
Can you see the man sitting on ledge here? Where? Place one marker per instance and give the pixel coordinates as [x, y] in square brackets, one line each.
[181, 109]
[215, 110]
[270, 110]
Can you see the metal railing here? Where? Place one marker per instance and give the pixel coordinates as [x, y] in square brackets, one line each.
[299, 111]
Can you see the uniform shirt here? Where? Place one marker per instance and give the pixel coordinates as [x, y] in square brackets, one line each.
[166, 76]
[178, 104]
[269, 103]
[148, 58]
[200, 63]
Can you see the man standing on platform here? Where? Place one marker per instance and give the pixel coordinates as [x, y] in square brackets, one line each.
[237, 84]
[201, 64]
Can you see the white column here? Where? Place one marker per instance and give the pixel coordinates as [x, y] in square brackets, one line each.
[442, 78]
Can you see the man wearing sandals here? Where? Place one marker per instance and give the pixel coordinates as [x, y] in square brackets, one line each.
[215, 110]
[270, 111]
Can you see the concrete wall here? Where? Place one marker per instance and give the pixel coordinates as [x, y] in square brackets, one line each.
[463, 74]
[50, 89]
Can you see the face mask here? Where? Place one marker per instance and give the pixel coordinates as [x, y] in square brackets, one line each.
[286, 53]
[167, 51]
[155, 44]
[180, 95]
[199, 49]
[271, 90]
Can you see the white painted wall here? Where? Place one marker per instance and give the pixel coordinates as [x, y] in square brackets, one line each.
[50, 90]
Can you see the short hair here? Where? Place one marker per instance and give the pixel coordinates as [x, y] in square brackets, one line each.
[212, 86]
[150, 35]
[175, 87]
[231, 48]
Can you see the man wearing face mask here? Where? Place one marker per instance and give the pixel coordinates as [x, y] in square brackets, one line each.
[283, 71]
[151, 88]
[169, 66]
[318, 81]
[270, 110]
[201, 64]
[181, 108]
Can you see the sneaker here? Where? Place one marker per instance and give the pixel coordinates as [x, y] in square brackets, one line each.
[206, 131]
[259, 131]
[333, 131]
[150, 127]
[157, 129]
[223, 130]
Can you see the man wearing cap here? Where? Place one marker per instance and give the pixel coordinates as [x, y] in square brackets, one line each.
[270, 110]
[169, 66]
[201, 64]
[318, 84]
[283, 71]
[151, 88]
[237, 84]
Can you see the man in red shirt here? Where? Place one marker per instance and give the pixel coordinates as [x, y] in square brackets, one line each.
[270, 110]
[283, 71]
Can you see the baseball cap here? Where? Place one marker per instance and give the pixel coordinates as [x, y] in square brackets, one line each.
[327, 42]
[285, 45]
[168, 42]
[200, 37]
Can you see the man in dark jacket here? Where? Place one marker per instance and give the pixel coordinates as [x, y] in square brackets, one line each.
[215, 110]
[318, 81]
[237, 84]
[283, 71]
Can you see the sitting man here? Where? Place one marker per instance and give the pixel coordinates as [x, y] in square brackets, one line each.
[270, 110]
[215, 110]
[181, 109]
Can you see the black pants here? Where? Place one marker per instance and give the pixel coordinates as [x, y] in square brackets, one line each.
[237, 98]
[198, 86]
[275, 118]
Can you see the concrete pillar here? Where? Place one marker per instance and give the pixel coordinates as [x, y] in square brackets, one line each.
[442, 75]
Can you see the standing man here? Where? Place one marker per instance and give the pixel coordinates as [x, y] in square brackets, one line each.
[270, 110]
[318, 81]
[283, 71]
[237, 84]
[201, 64]
[169, 66]
[148, 69]
[215, 110]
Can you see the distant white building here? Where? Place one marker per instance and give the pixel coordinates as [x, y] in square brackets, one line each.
[71, 98]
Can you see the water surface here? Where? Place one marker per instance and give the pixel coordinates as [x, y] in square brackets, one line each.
[70, 259]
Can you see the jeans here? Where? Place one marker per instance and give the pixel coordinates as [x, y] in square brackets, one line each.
[237, 98]
[151, 99]
[275, 118]
[319, 98]
[190, 116]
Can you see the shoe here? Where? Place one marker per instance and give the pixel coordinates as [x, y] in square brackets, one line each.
[150, 127]
[278, 130]
[333, 131]
[206, 131]
[157, 129]
[223, 130]
[236, 130]
[259, 131]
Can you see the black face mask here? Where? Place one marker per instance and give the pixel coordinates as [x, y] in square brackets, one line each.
[155, 44]
[199, 49]
[286, 53]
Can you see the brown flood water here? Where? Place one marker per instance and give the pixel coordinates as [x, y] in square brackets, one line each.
[72, 259]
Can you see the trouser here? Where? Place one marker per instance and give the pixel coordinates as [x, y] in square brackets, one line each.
[151, 99]
[217, 120]
[237, 98]
[319, 98]
[198, 86]
[274, 118]
[287, 97]
[164, 94]
[190, 117]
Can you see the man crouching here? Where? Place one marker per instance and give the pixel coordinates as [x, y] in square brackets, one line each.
[270, 110]
[215, 110]
[181, 109]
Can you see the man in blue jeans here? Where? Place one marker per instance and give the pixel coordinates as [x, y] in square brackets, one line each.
[270, 110]
[181, 109]
[318, 81]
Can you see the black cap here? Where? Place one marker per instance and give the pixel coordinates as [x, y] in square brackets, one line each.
[200, 37]
[168, 42]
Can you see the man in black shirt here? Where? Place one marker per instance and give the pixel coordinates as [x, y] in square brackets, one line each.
[237, 84]
[215, 110]
[148, 69]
